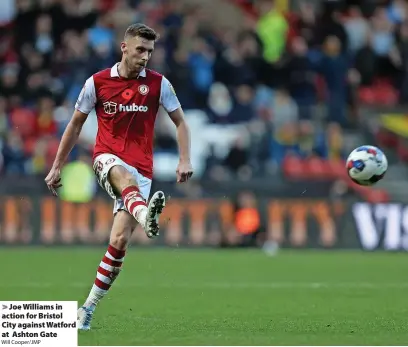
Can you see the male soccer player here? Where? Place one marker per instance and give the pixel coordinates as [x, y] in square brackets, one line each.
[126, 99]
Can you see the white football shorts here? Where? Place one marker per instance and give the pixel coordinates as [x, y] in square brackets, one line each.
[103, 163]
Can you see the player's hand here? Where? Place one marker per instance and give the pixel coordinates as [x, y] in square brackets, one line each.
[53, 180]
[184, 171]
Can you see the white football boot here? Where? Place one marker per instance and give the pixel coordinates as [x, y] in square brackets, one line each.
[154, 209]
[84, 317]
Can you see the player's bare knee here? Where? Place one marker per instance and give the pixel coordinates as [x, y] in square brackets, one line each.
[120, 239]
[122, 228]
[120, 178]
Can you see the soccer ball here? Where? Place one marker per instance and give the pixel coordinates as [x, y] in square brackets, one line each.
[366, 165]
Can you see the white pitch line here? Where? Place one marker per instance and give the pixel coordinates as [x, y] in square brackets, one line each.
[218, 285]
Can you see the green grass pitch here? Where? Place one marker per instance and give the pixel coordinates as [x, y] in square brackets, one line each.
[224, 297]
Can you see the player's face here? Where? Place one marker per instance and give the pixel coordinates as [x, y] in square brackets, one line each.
[137, 52]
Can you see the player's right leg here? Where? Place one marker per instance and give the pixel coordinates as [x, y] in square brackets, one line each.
[120, 181]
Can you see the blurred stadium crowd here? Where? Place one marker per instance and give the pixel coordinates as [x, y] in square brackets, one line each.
[279, 82]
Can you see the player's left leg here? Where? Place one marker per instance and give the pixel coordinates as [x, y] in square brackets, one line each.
[109, 267]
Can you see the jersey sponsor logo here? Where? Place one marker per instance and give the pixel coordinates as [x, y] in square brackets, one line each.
[110, 107]
[133, 108]
[143, 89]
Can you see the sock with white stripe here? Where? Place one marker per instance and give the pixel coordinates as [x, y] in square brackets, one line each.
[108, 270]
[135, 203]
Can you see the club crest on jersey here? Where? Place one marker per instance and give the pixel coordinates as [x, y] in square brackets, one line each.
[143, 89]
[110, 107]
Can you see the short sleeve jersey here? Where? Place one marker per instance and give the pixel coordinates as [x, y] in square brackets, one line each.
[126, 111]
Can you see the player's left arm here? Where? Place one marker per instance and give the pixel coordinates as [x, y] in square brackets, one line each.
[183, 133]
[171, 104]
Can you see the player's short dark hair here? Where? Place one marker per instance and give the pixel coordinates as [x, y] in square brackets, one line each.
[141, 30]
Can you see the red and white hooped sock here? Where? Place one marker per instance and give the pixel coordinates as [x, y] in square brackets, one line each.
[135, 203]
[107, 272]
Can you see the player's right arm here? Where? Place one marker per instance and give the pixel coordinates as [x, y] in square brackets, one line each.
[84, 105]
